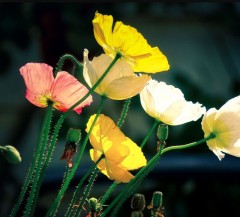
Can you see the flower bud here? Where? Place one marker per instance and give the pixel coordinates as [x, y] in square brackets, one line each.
[162, 132]
[138, 202]
[11, 154]
[73, 135]
[157, 199]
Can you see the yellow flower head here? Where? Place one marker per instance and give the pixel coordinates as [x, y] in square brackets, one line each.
[224, 124]
[120, 83]
[120, 153]
[129, 43]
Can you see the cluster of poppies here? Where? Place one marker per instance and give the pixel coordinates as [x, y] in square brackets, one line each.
[129, 76]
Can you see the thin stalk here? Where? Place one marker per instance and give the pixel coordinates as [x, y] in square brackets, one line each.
[124, 112]
[52, 209]
[87, 191]
[114, 185]
[189, 145]
[33, 165]
[63, 59]
[145, 170]
[77, 191]
[33, 193]
[149, 133]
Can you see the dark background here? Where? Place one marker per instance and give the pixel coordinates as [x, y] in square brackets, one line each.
[202, 44]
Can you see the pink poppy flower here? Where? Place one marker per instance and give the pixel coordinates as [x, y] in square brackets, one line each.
[63, 91]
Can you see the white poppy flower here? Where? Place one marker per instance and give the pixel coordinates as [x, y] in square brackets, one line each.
[168, 105]
[225, 125]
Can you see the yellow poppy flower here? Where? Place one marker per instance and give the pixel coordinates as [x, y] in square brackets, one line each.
[120, 83]
[224, 124]
[129, 43]
[120, 153]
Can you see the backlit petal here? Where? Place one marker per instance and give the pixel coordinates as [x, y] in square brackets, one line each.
[38, 78]
[135, 158]
[127, 41]
[120, 82]
[118, 173]
[168, 105]
[224, 124]
[66, 90]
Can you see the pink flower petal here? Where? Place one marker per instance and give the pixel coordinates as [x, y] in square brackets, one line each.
[66, 90]
[38, 78]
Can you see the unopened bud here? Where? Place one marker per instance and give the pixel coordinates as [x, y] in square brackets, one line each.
[138, 202]
[157, 199]
[73, 135]
[162, 132]
[11, 154]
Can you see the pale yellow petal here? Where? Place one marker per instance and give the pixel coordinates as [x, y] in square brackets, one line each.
[126, 87]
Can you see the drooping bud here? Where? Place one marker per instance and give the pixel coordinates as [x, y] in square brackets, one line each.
[11, 154]
[73, 137]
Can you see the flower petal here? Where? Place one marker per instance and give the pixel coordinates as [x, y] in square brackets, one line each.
[38, 78]
[135, 158]
[66, 90]
[105, 133]
[126, 87]
[167, 104]
[127, 41]
[118, 173]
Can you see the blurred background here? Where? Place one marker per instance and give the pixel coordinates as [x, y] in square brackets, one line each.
[202, 44]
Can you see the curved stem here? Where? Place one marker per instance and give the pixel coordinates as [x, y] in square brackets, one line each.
[63, 59]
[52, 210]
[189, 145]
[33, 165]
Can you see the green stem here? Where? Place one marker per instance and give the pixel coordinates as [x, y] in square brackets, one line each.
[52, 209]
[145, 170]
[2, 148]
[114, 185]
[33, 165]
[33, 193]
[64, 116]
[149, 133]
[189, 145]
[88, 188]
[63, 59]
[77, 191]
[124, 112]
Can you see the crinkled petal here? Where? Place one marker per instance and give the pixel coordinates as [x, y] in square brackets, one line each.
[111, 169]
[182, 112]
[66, 90]
[105, 133]
[38, 78]
[135, 158]
[127, 41]
[126, 87]
[117, 173]
[102, 28]
[167, 104]
[156, 62]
